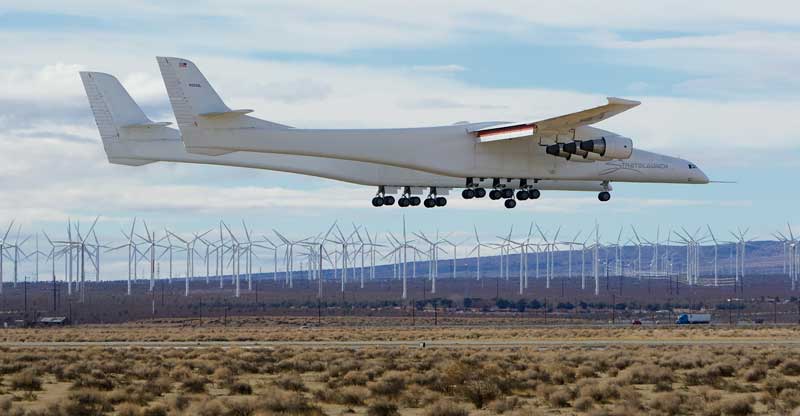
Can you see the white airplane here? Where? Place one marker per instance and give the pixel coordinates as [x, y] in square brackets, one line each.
[131, 138]
[510, 155]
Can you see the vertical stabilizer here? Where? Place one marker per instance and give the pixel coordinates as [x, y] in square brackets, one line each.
[119, 119]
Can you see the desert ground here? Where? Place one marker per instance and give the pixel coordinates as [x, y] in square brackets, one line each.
[376, 366]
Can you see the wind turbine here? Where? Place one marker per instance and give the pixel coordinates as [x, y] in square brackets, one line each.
[3, 245]
[716, 250]
[478, 249]
[131, 248]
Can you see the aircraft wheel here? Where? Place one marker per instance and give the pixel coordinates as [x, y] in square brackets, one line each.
[510, 203]
[480, 192]
[377, 201]
[534, 194]
[403, 202]
[441, 201]
[468, 194]
[495, 194]
[522, 195]
[388, 200]
[604, 196]
[415, 200]
[430, 203]
[508, 193]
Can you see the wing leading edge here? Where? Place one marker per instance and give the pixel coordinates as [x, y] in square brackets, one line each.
[556, 124]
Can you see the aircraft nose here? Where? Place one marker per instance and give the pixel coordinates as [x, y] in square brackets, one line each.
[696, 175]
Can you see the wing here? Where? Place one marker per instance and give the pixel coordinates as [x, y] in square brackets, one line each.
[560, 124]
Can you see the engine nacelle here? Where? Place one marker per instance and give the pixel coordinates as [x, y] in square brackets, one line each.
[560, 150]
[609, 147]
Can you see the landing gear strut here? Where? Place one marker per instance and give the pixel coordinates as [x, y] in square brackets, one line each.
[604, 196]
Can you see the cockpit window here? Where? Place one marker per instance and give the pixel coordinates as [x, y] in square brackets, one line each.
[692, 166]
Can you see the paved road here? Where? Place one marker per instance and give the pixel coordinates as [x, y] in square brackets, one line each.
[788, 342]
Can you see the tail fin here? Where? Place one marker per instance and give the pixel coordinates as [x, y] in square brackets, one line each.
[197, 105]
[119, 119]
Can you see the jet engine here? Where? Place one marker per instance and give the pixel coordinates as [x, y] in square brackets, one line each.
[609, 147]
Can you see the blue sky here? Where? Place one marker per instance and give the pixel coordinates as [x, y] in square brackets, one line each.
[717, 81]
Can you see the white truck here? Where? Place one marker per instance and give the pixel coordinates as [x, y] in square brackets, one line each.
[694, 318]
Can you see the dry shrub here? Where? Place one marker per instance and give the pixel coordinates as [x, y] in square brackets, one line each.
[505, 405]
[711, 375]
[350, 395]
[390, 384]
[417, 396]
[282, 401]
[85, 402]
[446, 408]
[736, 406]
[224, 376]
[755, 374]
[583, 404]
[560, 397]
[179, 402]
[790, 368]
[790, 398]
[209, 407]
[382, 408]
[353, 378]
[291, 382]
[775, 384]
[668, 403]
[194, 384]
[479, 392]
[26, 380]
[644, 374]
[128, 409]
[240, 388]
[662, 386]
[94, 380]
[586, 371]
[600, 392]
[155, 410]
[159, 386]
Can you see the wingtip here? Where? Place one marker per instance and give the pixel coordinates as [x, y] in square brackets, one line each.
[622, 101]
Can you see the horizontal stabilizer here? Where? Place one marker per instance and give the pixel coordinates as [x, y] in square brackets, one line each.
[230, 113]
[148, 125]
[555, 125]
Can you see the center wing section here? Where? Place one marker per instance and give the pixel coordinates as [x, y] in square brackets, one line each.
[555, 125]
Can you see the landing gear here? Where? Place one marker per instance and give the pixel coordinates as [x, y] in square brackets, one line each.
[430, 203]
[510, 203]
[604, 196]
[377, 201]
[388, 200]
[534, 194]
[480, 192]
[403, 202]
[507, 193]
[495, 194]
[415, 201]
[522, 195]
[440, 201]
[468, 194]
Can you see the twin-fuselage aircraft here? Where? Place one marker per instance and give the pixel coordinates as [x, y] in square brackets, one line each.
[514, 161]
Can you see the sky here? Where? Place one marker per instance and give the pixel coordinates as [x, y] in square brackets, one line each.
[717, 81]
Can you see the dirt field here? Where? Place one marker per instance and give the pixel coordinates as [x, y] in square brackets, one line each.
[438, 380]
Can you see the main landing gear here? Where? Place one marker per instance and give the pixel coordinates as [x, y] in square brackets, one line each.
[470, 193]
[408, 200]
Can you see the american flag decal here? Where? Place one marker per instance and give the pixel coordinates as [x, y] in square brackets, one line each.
[182, 65]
